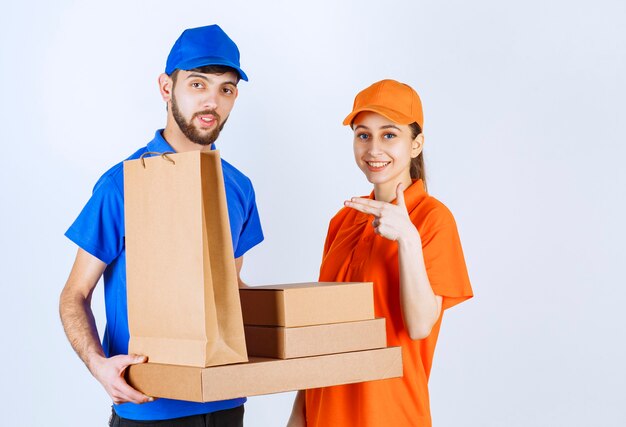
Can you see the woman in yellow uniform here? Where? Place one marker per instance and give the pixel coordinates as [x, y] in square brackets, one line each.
[405, 242]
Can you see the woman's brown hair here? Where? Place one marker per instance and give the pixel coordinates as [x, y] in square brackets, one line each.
[418, 170]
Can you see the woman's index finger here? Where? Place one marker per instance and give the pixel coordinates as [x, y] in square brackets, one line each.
[367, 202]
[366, 208]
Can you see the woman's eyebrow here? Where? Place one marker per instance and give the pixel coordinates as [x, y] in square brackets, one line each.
[390, 127]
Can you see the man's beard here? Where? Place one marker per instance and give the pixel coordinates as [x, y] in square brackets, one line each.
[190, 131]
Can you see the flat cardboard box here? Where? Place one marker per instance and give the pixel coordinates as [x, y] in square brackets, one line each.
[306, 304]
[287, 343]
[264, 376]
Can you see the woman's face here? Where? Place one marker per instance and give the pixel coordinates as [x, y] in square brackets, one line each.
[383, 149]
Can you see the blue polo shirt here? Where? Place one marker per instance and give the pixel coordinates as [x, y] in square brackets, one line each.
[99, 230]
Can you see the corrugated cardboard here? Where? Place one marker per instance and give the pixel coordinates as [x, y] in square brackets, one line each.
[287, 343]
[183, 299]
[306, 304]
[264, 376]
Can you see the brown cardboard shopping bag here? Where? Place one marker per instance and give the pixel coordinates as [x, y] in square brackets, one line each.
[183, 298]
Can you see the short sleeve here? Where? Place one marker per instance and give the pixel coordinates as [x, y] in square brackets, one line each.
[99, 228]
[333, 227]
[445, 263]
[251, 231]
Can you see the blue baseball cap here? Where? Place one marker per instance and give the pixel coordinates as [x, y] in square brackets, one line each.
[197, 47]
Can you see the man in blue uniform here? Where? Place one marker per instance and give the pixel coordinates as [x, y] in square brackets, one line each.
[199, 87]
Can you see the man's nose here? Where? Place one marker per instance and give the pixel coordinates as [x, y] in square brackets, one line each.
[209, 101]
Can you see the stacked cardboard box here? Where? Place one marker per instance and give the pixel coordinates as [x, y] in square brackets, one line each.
[298, 336]
[310, 319]
[264, 376]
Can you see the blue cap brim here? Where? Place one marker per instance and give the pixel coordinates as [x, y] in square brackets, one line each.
[201, 62]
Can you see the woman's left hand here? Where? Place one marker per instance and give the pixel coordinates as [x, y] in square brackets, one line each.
[390, 221]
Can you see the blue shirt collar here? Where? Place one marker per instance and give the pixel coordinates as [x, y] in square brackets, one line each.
[160, 145]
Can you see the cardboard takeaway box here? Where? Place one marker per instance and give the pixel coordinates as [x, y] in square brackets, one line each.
[306, 304]
[288, 343]
[264, 376]
[310, 319]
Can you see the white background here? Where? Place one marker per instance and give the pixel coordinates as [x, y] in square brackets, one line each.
[524, 105]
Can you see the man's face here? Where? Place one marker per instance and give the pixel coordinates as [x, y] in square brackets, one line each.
[201, 103]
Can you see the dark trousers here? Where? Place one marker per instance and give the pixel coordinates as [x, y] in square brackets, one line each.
[226, 418]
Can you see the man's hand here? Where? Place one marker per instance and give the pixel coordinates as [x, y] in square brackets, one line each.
[110, 373]
[80, 327]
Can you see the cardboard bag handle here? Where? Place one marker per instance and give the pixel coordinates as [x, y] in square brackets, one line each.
[163, 155]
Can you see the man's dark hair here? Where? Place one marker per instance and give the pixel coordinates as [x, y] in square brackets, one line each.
[208, 69]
